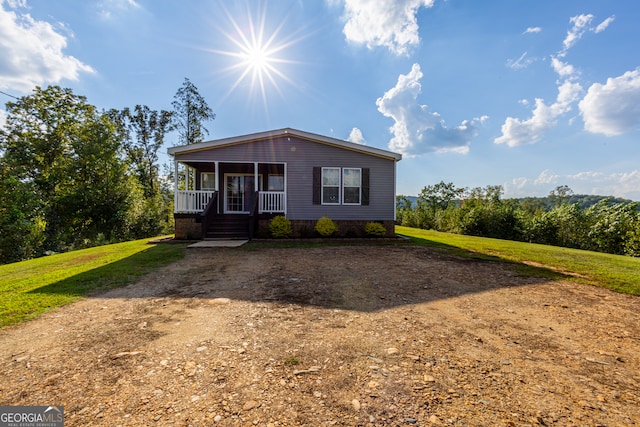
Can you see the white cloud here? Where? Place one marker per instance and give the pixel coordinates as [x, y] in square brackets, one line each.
[604, 24]
[107, 8]
[356, 136]
[546, 177]
[31, 53]
[563, 69]
[522, 62]
[391, 23]
[14, 4]
[418, 130]
[581, 25]
[597, 119]
[613, 108]
[617, 184]
[533, 30]
[517, 132]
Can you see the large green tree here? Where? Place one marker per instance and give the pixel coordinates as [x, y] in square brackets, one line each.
[190, 111]
[145, 130]
[63, 179]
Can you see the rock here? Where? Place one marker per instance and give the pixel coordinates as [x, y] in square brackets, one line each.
[307, 371]
[429, 379]
[217, 418]
[201, 349]
[356, 404]
[434, 420]
[249, 405]
[219, 301]
[392, 350]
[125, 353]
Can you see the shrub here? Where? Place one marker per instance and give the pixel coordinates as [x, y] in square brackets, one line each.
[280, 227]
[326, 227]
[375, 229]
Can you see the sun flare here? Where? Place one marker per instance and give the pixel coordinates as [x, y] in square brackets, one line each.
[258, 54]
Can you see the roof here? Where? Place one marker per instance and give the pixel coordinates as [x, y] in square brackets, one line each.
[243, 139]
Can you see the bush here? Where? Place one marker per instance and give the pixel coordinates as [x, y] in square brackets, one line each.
[326, 227]
[375, 229]
[280, 227]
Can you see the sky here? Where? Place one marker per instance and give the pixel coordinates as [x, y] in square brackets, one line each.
[530, 94]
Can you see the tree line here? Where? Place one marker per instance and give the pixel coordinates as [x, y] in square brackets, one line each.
[609, 225]
[72, 176]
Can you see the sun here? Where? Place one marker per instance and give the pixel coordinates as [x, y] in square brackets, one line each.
[258, 54]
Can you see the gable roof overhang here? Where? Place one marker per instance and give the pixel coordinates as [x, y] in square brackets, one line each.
[244, 139]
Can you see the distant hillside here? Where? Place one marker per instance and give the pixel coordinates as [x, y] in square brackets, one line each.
[583, 200]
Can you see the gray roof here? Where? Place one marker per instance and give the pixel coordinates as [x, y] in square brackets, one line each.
[243, 139]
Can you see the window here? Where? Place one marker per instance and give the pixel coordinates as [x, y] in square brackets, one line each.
[208, 181]
[351, 185]
[341, 186]
[330, 186]
[275, 183]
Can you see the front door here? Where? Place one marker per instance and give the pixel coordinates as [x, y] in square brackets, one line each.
[239, 189]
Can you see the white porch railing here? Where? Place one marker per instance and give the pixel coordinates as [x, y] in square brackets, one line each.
[191, 201]
[272, 202]
[194, 201]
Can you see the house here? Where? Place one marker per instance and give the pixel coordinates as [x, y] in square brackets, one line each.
[232, 187]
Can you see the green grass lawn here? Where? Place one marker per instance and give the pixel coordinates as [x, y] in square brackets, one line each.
[616, 272]
[29, 288]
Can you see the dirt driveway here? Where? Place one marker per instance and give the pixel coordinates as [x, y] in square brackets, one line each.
[335, 336]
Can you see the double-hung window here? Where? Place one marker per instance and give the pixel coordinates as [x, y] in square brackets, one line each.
[351, 186]
[330, 186]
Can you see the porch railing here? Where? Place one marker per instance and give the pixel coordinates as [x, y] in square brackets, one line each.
[195, 201]
[272, 202]
[192, 201]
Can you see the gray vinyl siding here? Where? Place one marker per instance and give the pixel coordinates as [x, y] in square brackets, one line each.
[300, 157]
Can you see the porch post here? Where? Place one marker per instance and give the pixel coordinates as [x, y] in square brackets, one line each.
[255, 173]
[284, 202]
[217, 185]
[175, 185]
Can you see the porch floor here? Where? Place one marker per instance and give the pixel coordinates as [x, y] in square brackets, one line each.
[218, 244]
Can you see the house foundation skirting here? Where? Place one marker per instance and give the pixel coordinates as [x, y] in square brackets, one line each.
[188, 227]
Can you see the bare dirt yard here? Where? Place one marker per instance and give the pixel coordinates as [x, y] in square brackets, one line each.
[333, 336]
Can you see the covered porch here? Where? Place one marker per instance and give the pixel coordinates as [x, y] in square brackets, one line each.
[230, 188]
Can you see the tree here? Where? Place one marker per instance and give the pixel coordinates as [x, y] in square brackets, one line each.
[37, 143]
[437, 196]
[145, 131]
[190, 110]
[62, 176]
[560, 195]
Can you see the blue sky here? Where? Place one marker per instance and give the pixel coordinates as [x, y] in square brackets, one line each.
[529, 95]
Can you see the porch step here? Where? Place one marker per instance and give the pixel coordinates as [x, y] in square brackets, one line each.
[228, 227]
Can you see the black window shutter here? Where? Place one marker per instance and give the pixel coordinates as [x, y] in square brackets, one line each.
[365, 186]
[317, 185]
